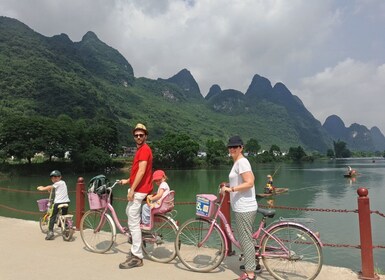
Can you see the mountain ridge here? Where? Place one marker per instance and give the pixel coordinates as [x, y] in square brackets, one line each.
[89, 79]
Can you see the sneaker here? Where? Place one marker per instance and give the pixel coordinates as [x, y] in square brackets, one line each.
[49, 236]
[131, 262]
[244, 276]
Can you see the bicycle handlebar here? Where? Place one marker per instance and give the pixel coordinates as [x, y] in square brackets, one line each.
[113, 185]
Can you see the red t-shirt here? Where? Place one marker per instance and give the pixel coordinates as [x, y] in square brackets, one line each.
[144, 153]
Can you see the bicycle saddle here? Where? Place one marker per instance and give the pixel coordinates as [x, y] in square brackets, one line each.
[266, 212]
[62, 205]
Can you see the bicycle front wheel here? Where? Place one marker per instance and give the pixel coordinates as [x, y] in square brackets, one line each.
[67, 231]
[97, 231]
[195, 256]
[43, 223]
[291, 252]
[158, 244]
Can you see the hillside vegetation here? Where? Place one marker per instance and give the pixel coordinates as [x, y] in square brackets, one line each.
[91, 83]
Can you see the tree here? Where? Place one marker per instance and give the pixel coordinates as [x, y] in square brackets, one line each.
[340, 149]
[330, 153]
[175, 150]
[59, 136]
[91, 159]
[22, 137]
[103, 133]
[275, 150]
[216, 152]
[296, 154]
[252, 147]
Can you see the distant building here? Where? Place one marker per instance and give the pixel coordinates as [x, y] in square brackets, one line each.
[202, 154]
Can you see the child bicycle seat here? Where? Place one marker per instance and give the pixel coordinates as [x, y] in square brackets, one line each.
[166, 204]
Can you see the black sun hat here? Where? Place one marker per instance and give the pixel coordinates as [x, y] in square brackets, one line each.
[235, 141]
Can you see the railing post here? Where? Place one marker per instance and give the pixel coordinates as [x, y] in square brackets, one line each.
[79, 201]
[225, 208]
[365, 235]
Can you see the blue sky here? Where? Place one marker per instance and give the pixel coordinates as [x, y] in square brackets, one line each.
[330, 53]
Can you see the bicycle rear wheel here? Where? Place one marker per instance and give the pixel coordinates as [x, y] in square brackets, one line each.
[159, 243]
[300, 256]
[43, 223]
[98, 239]
[202, 258]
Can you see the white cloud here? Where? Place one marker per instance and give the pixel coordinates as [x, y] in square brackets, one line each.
[353, 90]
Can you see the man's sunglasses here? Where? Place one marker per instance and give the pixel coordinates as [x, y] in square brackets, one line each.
[138, 135]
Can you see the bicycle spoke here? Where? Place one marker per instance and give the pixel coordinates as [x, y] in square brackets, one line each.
[97, 231]
[290, 252]
[159, 243]
[204, 257]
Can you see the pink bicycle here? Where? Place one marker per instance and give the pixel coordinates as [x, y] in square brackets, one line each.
[288, 249]
[98, 228]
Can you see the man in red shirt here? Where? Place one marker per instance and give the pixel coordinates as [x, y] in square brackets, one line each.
[140, 185]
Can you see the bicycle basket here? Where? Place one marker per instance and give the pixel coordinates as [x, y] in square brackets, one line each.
[97, 201]
[99, 184]
[43, 204]
[205, 205]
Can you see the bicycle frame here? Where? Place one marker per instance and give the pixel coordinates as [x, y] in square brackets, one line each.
[98, 230]
[115, 219]
[111, 209]
[256, 235]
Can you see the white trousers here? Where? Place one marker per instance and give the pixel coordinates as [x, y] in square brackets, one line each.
[133, 212]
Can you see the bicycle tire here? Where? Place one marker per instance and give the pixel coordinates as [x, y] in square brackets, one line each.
[97, 241]
[67, 231]
[43, 223]
[200, 258]
[304, 260]
[159, 243]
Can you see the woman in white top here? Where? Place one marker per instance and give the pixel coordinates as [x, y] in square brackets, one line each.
[243, 203]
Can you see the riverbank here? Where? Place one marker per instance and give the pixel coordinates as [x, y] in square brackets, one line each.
[26, 255]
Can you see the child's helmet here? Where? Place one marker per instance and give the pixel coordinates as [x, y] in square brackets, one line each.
[55, 173]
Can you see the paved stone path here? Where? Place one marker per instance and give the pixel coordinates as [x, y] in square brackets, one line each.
[26, 255]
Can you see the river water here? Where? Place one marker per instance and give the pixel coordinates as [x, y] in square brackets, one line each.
[318, 185]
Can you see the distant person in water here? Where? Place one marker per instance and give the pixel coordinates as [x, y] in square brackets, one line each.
[269, 185]
[351, 172]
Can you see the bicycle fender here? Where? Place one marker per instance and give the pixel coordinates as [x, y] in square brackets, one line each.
[315, 236]
[171, 220]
